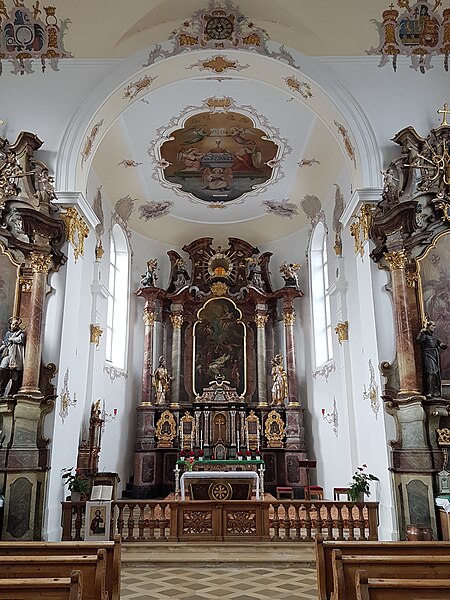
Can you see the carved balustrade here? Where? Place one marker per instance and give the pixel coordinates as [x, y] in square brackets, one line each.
[283, 521]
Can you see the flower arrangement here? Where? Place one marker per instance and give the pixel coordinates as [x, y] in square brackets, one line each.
[182, 455]
[201, 454]
[360, 483]
[248, 455]
[76, 482]
[239, 455]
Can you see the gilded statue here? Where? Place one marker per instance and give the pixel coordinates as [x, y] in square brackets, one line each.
[279, 378]
[288, 272]
[161, 381]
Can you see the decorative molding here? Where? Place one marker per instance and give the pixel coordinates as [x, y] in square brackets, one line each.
[420, 33]
[149, 317]
[332, 417]
[359, 229]
[396, 260]
[95, 334]
[372, 392]
[274, 429]
[341, 330]
[76, 229]
[325, 370]
[114, 373]
[25, 37]
[65, 400]
[219, 288]
[289, 318]
[25, 284]
[40, 263]
[359, 197]
[77, 200]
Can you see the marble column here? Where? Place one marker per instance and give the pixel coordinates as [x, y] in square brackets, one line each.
[149, 318]
[40, 264]
[177, 322]
[261, 319]
[289, 320]
[405, 340]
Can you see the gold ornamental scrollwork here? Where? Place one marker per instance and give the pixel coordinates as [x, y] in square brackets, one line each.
[274, 430]
[177, 321]
[219, 288]
[220, 490]
[360, 227]
[187, 431]
[445, 207]
[289, 318]
[77, 230]
[261, 320]
[412, 277]
[25, 283]
[95, 334]
[396, 259]
[166, 430]
[149, 318]
[443, 436]
[40, 263]
[341, 330]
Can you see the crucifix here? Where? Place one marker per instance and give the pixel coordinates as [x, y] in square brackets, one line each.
[444, 111]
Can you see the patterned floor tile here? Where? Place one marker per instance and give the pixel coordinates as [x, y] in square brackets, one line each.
[233, 583]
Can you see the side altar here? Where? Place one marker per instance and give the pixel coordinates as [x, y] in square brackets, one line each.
[219, 389]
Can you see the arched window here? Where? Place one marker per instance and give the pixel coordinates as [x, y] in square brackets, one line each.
[117, 319]
[323, 347]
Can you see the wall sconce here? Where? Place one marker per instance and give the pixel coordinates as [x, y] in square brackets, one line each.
[108, 417]
[332, 418]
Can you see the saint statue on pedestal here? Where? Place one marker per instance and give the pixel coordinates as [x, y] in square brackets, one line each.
[279, 378]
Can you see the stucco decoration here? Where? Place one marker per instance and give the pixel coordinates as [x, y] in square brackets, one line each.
[218, 64]
[220, 26]
[134, 88]
[308, 162]
[301, 87]
[312, 207]
[219, 155]
[124, 207]
[325, 370]
[27, 35]
[97, 205]
[154, 210]
[339, 205]
[371, 393]
[65, 399]
[89, 142]
[420, 32]
[349, 148]
[281, 209]
[129, 163]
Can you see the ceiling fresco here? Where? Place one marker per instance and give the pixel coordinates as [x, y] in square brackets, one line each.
[218, 157]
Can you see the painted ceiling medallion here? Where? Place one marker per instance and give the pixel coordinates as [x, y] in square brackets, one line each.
[220, 26]
[218, 156]
[24, 37]
[218, 64]
[420, 32]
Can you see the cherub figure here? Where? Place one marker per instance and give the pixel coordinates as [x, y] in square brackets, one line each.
[288, 272]
[149, 278]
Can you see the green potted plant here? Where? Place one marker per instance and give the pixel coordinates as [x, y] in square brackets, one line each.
[360, 484]
[77, 483]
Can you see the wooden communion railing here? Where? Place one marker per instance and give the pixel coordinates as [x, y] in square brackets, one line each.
[287, 520]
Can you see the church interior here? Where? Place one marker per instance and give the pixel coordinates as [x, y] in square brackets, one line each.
[225, 305]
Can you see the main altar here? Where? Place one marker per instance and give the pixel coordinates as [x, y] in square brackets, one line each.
[224, 389]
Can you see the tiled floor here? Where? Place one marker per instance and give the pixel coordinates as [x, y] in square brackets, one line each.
[212, 583]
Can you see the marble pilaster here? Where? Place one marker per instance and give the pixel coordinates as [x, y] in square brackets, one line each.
[261, 319]
[177, 323]
[289, 320]
[149, 318]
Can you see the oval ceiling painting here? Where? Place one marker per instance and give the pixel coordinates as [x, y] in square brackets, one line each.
[218, 157]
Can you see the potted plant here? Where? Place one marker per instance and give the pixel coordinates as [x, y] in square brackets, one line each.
[248, 455]
[182, 455]
[77, 483]
[201, 454]
[360, 484]
[239, 455]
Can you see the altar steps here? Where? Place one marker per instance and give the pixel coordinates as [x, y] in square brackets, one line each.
[283, 554]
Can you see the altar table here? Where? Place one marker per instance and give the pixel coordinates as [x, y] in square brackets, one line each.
[216, 476]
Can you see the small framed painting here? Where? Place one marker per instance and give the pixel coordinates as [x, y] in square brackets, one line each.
[97, 520]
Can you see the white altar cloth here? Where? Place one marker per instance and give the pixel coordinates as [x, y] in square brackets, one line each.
[217, 475]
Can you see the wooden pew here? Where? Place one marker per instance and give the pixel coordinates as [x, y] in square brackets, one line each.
[426, 566]
[113, 556]
[324, 549]
[93, 569]
[56, 588]
[400, 589]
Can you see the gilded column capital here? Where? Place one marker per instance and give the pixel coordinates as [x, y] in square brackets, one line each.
[40, 263]
[76, 229]
[341, 330]
[149, 317]
[261, 320]
[95, 333]
[396, 259]
[177, 321]
[289, 318]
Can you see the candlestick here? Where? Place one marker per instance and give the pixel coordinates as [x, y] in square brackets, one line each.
[201, 440]
[237, 439]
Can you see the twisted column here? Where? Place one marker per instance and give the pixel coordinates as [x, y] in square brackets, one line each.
[40, 264]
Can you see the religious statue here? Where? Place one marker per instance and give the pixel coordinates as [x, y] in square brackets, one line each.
[181, 274]
[279, 378]
[390, 185]
[12, 351]
[161, 381]
[288, 272]
[254, 271]
[149, 278]
[431, 351]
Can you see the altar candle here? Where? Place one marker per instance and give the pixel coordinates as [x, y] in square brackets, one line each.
[201, 440]
[237, 439]
[181, 436]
